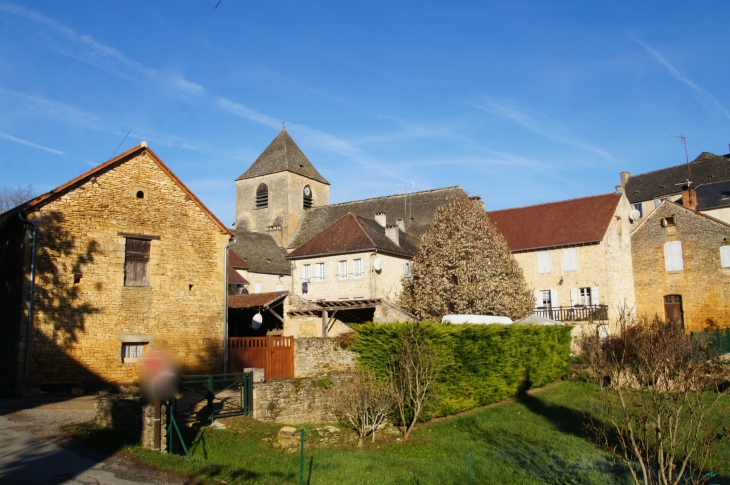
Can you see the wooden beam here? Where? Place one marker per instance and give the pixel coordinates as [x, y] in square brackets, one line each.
[331, 322]
[324, 323]
[275, 314]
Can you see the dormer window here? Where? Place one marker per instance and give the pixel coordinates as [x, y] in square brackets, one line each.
[307, 200]
[262, 197]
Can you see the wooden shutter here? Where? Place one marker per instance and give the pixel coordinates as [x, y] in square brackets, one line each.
[554, 298]
[673, 256]
[594, 296]
[543, 262]
[725, 256]
[538, 298]
[570, 259]
[574, 296]
[136, 264]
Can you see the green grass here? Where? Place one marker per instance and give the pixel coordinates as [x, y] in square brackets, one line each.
[535, 440]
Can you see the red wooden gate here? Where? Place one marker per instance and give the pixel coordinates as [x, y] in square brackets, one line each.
[274, 354]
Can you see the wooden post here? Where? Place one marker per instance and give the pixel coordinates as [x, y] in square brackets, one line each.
[324, 323]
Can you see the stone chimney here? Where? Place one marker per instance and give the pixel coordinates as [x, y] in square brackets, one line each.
[689, 198]
[477, 199]
[401, 224]
[380, 218]
[392, 233]
[619, 189]
[625, 178]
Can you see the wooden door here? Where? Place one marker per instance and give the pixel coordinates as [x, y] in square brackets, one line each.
[273, 354]
[673, 308]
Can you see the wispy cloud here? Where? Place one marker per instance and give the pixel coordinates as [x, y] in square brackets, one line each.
[540, 124]
[57, 110]
[29, 143]
[248, 113]
[708, 99]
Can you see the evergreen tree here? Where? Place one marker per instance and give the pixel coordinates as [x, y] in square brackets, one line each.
[464, 266]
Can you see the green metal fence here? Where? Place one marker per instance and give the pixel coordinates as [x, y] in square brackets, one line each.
[716, 342]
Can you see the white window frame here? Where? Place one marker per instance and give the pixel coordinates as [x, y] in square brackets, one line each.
[570, 259]
[546, 297]
[543, 262]
[407, 270]
[357, 272]
[673, 260]
[342, 267]
[320, 272]
[725, 256]
[584, 296]
[133, 351]
[307, 273]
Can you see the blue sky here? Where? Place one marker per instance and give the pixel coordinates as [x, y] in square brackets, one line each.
[519, 102]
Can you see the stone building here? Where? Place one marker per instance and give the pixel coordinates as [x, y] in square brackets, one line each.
[681, 261]
[576, 254]
[127, 259]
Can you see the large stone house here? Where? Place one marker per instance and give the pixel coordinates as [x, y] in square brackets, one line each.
[681, 261]
[576, 254]
[126, 259]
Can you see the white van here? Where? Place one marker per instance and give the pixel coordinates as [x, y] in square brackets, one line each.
[476, 319]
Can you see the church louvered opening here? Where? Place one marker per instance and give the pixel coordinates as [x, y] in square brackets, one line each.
[307, 199]
[262, 197]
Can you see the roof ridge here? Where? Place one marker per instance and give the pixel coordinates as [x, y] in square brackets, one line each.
[555, 202]
[367, 234]
[696, 160]
[388, 196]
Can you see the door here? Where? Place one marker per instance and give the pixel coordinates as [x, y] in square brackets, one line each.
[673, 309]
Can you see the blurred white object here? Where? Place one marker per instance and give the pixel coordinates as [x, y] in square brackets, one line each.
[476, 319]
[537, 320]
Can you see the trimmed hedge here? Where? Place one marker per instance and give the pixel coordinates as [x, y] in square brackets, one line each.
[485, 363]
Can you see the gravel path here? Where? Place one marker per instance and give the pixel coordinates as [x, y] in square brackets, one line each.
[35, 450]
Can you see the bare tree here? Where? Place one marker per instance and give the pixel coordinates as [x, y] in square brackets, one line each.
[363, 403]
[658, 393]
[415, 369]
[12, 197]
[464, 266]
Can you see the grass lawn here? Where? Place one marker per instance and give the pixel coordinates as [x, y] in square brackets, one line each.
[537, 439]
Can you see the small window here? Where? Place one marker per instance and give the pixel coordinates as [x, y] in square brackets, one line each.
[546, 300]
[133, 350]
[258, 287]
[342, 267]
[725, 256]
[140, 194]
[637, 207]
[570, 259]
[307, 200]
[262, 196]
[137, 262]
[357, 268]
[585, 296]
[668, 222]
[320, 272]
[673, 256]
[407, 270]
[543, 262]
[306, 273]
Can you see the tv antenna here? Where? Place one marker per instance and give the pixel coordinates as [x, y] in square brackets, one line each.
[406, 214]
[686, 158]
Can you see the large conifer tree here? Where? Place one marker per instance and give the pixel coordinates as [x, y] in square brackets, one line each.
[464, 266]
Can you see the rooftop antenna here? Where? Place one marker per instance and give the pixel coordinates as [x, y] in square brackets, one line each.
[406, 214]
[125, 137]
[283, 125]
[686, 158]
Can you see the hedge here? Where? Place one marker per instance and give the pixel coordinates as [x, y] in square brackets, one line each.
[485, 363]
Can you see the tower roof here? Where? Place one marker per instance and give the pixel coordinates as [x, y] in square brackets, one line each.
[283, 155]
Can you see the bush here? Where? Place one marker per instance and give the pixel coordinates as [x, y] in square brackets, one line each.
[485, 363]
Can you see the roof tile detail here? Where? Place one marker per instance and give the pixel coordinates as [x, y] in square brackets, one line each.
[262, 253]
[255, 300]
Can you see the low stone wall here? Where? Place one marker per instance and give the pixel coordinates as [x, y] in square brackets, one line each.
[131, 417]
[296, 401]
[317, 357]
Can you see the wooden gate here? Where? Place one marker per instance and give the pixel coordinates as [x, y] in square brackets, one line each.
[274, 354]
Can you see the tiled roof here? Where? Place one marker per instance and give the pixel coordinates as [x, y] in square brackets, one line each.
[255, 300]
[417, 209]
[235, 277]
[706, 168]
[352, 233]
[564, 223]
[110, 164]
[261, 252]
[283, 155]
[712, 196]
[237, 261]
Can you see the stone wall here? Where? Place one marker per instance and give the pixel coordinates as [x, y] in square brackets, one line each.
[130, 417]
[84, 311]
[703, 284]
[296, 401]
[317, 357]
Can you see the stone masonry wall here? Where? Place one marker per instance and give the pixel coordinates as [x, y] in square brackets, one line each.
[296, 401]
[317, 357]
[130, 417]
[703, 284]
[83, 310]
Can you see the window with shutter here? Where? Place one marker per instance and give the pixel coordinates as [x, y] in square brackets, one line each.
[574, 297]
[543, 262]
[594, 296]
[673, 256]
[343, 270]
[307, 200]
[137, 262]
[570, 259]
[554, 298]
[357, 272]
[585, 296]
[725, 256]
[262, 196]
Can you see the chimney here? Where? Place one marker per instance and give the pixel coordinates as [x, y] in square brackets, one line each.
[619, 189]
[478, 200]
[689, 198]
[624, 178]
[401, 224]
[380, 218]
[392, 233]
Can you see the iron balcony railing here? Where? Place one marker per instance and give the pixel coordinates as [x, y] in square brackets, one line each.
[592, 313]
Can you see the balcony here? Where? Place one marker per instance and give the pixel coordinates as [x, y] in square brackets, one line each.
[575, 314]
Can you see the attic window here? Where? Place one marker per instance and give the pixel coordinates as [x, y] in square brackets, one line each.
[668, 222]
[140, 194]
[307, 199]
[262, 197]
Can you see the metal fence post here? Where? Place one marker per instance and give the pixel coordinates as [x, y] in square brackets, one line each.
[301, 458]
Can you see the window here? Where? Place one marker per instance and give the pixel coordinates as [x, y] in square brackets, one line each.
[585, 296]
[673, 256]
[725, 256]
[357, 268]
[543, 298]
[407, 270]
[638, 208]
[133, 350]
[279, 287]
[342, 273]
[137, 262]
[307, 200]
[657, 202]
[262, 197]
[668, 222]
[258, 287]
[543, 262]
[570, 259]
[307, 273]
[320, 272]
